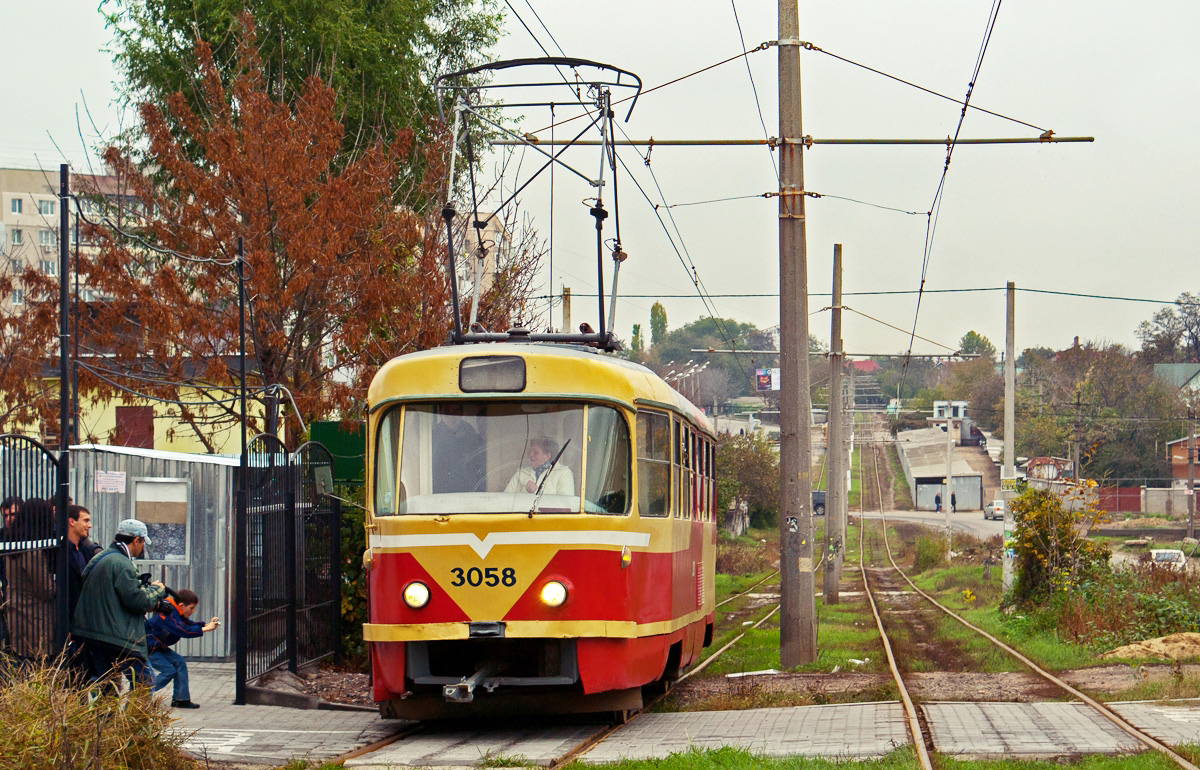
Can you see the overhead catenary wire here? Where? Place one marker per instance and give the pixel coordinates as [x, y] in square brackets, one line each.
[936, 206]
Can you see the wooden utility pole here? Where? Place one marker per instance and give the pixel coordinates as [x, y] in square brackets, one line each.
[797, 616]
[1010, 431]
[836, 451]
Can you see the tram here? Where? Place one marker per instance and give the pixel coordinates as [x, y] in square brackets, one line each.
[540, 531]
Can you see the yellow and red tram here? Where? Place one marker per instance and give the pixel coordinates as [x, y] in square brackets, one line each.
[540, 531]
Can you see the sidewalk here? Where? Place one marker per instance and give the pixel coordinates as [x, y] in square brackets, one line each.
[268, 735]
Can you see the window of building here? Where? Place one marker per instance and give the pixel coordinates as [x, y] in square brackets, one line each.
[46, 207]
[47, 239]
[17, 237]
[18, 297]
[16, 205]
[48, 266]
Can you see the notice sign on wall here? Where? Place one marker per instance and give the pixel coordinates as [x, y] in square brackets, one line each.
[112, 482]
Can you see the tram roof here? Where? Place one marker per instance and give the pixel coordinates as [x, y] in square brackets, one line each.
[554, 369]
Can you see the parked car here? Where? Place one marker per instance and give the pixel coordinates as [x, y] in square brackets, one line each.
[994, 510]
[818, 502]
[1168, 558]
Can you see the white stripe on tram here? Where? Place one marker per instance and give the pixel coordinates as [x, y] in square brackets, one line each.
[492, 539]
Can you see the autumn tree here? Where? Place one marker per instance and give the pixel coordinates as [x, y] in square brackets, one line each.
[1053, 553]
[342, 271]
[1172, 335]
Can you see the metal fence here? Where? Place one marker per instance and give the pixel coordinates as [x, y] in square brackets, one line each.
[293, 542]
[29, 549]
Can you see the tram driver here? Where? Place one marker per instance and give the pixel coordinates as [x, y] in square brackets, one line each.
[542, 452]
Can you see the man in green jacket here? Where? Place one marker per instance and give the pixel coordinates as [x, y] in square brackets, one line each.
[110, 617]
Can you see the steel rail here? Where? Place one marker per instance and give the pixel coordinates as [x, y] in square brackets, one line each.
[910, 710]
[1108, 713]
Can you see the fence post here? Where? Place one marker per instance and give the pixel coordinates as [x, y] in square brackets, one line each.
[292, 545]
[336, 576]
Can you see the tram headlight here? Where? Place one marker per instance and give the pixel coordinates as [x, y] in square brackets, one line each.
[553, 594]
[416, 594]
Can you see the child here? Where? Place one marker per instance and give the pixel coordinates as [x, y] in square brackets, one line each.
[164, 629]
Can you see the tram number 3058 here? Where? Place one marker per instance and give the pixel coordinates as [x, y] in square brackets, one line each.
[488, 576]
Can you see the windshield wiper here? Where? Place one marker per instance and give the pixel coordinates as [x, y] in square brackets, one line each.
[537, 495]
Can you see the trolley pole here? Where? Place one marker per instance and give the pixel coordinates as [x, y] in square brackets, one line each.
[836, 451]
[797, 627]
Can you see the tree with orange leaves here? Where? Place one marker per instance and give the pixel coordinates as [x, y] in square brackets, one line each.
[344, 263]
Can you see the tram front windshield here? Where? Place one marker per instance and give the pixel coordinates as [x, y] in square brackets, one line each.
[502, 457]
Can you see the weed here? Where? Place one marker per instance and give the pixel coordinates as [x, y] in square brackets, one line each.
[52, 722]
[930, 553]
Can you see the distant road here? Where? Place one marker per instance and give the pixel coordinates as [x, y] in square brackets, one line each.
[971, 522]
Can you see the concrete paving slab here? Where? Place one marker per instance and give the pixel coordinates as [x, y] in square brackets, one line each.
[458, 747]
[840, 730]
[992, 730]
[219, 730]
[1173, 724]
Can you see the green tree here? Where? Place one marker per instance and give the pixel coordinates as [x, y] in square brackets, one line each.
[378, 56]
[974, 343]
[978, 383]
[658, 324]
[748, 471]
[637, 344]
[720, 333]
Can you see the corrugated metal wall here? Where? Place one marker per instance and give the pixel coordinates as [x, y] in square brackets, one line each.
[209, 567]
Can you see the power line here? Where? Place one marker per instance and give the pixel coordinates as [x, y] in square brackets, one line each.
[817, 49]
[753, 87]
[900, 292]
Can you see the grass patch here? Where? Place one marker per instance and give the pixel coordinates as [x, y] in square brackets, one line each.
[50, 723]
[901, 495]
[740, 759]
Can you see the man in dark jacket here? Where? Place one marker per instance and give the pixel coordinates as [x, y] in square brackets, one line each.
[80, 551]
[110, 616]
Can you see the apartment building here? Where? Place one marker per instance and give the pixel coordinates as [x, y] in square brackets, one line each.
[29, 218]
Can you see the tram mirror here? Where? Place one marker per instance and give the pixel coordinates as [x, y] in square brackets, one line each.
[484, 374]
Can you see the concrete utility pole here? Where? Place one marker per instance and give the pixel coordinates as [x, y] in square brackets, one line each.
[566, 297]
[1075, 453]
[1009, 470]
[949, 478]
[797, 616]
[836, 491]
[1191, 461]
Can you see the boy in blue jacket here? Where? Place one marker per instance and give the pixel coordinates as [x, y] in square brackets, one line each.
[164, 629]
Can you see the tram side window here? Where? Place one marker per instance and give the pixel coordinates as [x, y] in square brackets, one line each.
[654, 463]
[385, 463]
[607, 461]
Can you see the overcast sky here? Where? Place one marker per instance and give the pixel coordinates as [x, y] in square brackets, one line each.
[1114, 217]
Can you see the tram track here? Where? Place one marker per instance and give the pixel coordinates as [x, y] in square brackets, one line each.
[918, 728]
[607, 731]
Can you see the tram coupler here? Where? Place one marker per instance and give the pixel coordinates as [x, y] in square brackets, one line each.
[464, 691]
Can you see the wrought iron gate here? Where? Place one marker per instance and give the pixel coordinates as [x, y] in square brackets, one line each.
[29, 551]
[293, 551]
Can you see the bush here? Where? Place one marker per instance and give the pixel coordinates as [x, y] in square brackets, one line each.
[49, 723]
[1052, 551]
[740, 559]
[930, 553]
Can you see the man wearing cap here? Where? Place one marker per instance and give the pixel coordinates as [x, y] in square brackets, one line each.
[110, 616]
